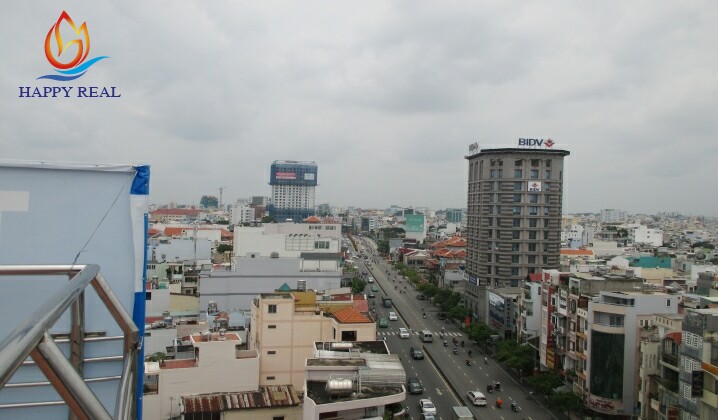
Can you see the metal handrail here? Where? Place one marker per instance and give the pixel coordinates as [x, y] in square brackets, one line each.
[32, 338]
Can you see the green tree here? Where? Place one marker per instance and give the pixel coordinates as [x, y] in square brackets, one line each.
[546, 383]
[268, 219]
[566, 402]
[383, 247]
[358, 285]
[222, 248]
[156, 357]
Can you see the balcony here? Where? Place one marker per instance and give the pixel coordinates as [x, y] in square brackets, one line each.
[670, 359]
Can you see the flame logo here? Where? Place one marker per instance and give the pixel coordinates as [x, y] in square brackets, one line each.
[77, 66]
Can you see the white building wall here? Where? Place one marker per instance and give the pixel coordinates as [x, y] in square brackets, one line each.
[644, 235]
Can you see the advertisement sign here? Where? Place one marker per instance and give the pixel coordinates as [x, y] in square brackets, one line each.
[286, 175]
[414, 223]
[533, 186]
[309, 177]
[496, 302]
[536, 143]
[472, 280]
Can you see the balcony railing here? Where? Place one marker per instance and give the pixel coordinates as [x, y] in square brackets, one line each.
[670, 359]
[32, 339]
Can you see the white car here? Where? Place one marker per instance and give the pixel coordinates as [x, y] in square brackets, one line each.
[427, 407]
[403, 333]
[371, 279]
[392, 316]
[476, 398]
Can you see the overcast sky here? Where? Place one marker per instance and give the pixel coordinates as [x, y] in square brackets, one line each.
[384, 96]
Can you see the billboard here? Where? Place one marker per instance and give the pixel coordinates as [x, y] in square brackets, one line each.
[414, 223]
[533, 186]
[293, 173]
[52, 213]
[286, 175]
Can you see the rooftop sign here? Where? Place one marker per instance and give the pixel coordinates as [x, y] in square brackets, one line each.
[537, 143]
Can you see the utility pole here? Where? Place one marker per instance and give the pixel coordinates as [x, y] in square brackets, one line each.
[221, 189]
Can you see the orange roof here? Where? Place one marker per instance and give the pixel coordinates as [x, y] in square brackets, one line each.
[312, 219]
[675, 336]
[584, 252]
[177, 212]
[174, 231]
[152, 232]
[454, 241]
[350, 316]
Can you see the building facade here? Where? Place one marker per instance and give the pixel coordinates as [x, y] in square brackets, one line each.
[513, 227]
[293, 184]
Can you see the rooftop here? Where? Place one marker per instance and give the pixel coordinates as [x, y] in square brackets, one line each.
[203, 338]
[264, 397]
[316, 390]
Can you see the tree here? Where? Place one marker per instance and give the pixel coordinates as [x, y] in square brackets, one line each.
[546, 383]
[358, 285]
[517, 356]
[268, 219]
[156, 357]
[566, 402]
[222, 248]
[383, 247]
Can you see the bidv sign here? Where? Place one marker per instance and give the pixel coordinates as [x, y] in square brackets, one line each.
[537, 143]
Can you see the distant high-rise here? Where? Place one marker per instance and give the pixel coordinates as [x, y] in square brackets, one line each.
[513, 223]
[293, 185]
[612, 216]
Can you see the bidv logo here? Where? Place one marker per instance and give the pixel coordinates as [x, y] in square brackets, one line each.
[68, 66]
[547, 143]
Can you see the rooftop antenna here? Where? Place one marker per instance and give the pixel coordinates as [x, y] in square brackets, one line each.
[221, 189]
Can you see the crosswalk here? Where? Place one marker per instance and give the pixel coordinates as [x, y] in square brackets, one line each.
[446, 334]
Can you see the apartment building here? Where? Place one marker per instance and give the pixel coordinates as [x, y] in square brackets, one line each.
[286, 325]
[513, 227]
[615, 321]
[293, 190]
[352, 380]
[698, 377]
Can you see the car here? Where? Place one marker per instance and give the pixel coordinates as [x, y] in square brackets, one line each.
[383, 323]
[393, 317]
[476, 398]
[414, 386]
[427, 406]
[421, 296]
[374, 289]
[371, 279]
[403, 333]
[427, 416]
[371, 295]
[441, 315]
[416, 353]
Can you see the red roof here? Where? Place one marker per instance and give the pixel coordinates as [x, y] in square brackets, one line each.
[153, 232]
[312, 219]
[675, 336]
[350, 316]
[176, 212]
[537, 276]
[584, 252]
[454, 241]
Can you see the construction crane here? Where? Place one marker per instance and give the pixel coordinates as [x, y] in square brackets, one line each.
[221, 189]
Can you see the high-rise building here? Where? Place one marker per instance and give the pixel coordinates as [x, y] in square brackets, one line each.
[514, 217]
[293, 185]
[612, 216]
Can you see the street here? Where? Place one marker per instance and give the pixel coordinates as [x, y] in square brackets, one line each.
[444, 375]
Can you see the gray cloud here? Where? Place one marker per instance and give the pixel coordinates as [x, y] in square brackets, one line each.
[385, 96]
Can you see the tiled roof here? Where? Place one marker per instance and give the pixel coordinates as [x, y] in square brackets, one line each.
[454, 241]
[176, 212]
[350, 316]
[153, 232]
[675, 336]
[312, 219]
[585, 252]
[174, 231]
[264, 397]
[537, 276]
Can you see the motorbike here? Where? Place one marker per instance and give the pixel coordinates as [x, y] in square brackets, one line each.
[486, 361]
[470, 353]
[514, 407]
[489, 388]
[499, 402]
[462, 343]
[446, 343]
[468, 362]
[423, 316]
[497, 386]
[456, 350]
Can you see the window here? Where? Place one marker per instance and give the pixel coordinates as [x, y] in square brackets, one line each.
[532, 259]
[515, 247]
[668, 303]
[278, 418]
[546, 199]
[272, 309]
[535, 163]
[488, 269]
[517, 198]
[321, 245]
[148, 295]
[270, 378]
[518, 173]
[534, 174]
[517, 186]
[545, 259]
[533, 211]
[545, 223]
[516, 210]
[271, 352]
[545, 235]
[532, 247]
[516, 234]
[518, 162]
[547, 186]
[532, 235]
[514, 271]
[492, 173]
[548, 163]
[515, 259]
[489, 257]
[517, 223]
[545, 211]
[489, 245]
[491, 233]
[533, 223]
[272, 327]
[545, 247]
[548, 174]
[533, 198]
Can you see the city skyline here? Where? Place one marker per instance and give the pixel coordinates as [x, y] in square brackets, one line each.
[385, 97]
